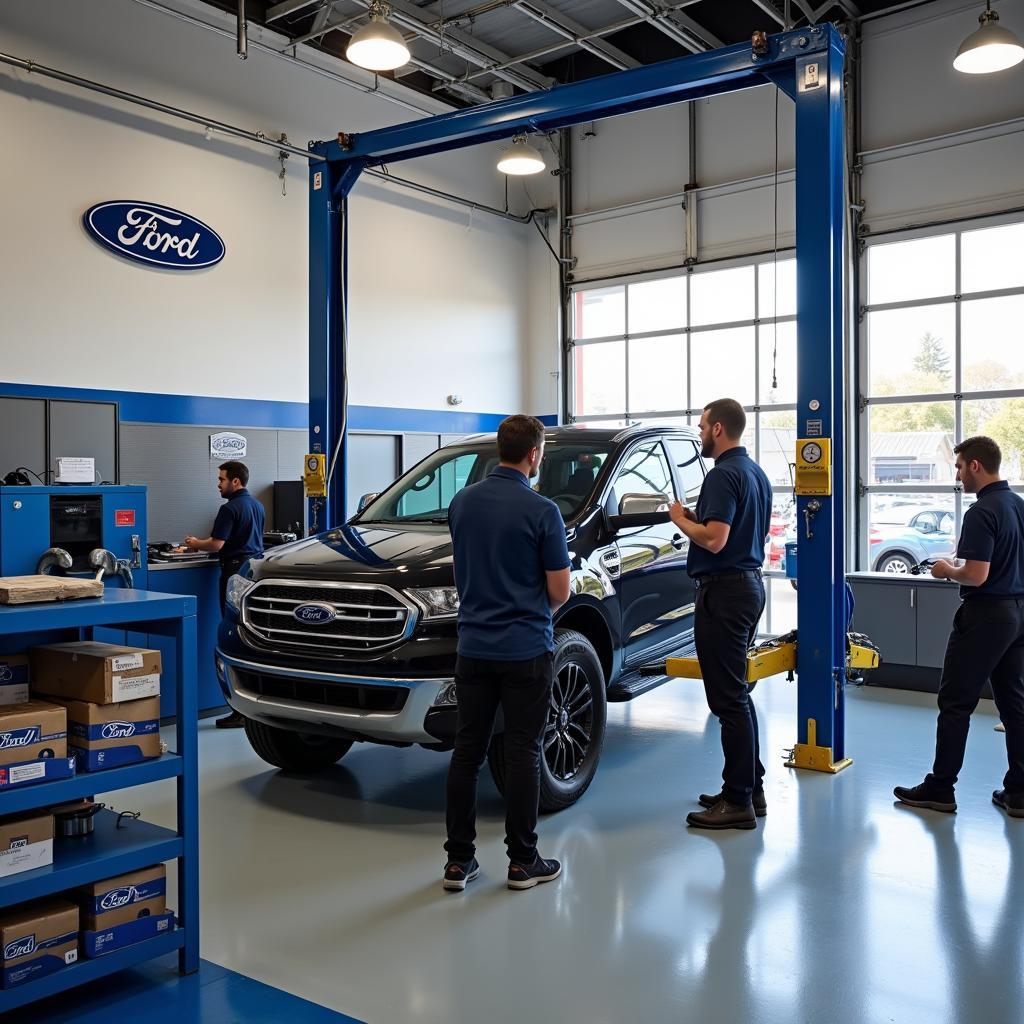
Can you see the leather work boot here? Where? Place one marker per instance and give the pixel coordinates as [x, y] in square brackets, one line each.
[1012, 803]
[926, 796]
[723, 816]
[760, 804]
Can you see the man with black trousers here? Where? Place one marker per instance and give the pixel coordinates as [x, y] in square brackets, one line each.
[512, 574]
[237, 536]
[727, 536]
[987, 639]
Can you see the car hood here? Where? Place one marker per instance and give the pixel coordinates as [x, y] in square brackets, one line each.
[406, 556]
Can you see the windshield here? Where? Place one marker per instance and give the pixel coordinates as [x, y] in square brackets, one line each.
[422, 495]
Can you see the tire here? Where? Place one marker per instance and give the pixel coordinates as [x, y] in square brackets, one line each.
[896, 563]
[571, 747]
[295, 751]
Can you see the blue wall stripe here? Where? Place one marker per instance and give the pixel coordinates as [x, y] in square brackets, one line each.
[143, 407]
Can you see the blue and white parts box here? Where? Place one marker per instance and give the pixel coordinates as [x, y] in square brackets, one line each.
[96, 672]
[124, 910]
[26, 842]
[31, 732]
[37, 939]
[111, 735]
[13, 679]
[46, 769]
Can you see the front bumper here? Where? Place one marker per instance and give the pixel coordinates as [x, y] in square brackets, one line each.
[408, 709]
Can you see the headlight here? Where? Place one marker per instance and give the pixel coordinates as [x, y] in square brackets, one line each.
[237, 588]
[437, 602]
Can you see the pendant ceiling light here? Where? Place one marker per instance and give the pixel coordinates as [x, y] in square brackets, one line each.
[521, 158]
[378, 46]
[990, 48]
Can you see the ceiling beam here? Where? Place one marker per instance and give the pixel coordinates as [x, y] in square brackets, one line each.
[569, 29]
[772, 11]
[679, 27]
[286, 7]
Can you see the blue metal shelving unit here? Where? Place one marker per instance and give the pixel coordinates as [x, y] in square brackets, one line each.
[110, 850]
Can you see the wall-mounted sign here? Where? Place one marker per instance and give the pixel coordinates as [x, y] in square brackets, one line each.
[155, 235]
[227, 445]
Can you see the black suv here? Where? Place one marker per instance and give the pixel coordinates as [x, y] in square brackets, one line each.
[351, 635]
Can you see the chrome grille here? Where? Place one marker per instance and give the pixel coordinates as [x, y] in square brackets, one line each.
[368, 617]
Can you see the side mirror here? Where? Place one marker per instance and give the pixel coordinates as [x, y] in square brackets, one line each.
[640, 510]
[366, 499]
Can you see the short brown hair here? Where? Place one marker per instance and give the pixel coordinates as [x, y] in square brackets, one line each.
[730, 414]
[980, 449]
[236, 471]
[518, 436]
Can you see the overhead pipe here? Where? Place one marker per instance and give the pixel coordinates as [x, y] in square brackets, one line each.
[241, 33]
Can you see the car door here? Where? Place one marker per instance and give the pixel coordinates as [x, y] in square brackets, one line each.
[652, 580]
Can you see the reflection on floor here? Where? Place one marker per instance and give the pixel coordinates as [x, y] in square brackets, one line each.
[841, 907]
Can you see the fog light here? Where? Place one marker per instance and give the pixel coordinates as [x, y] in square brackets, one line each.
[446, 695]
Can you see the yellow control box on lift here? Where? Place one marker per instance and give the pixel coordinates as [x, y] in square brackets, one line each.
[314, 475]
[814, 466]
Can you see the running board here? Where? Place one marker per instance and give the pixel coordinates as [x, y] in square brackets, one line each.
[642, 679]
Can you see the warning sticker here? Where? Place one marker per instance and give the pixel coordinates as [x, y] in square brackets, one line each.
[136, 687]
[25, 772]
[124, 517]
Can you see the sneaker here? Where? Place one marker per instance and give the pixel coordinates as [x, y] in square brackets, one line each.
[1012, 803]
[760, 804]
[723, 815]
[999, 727]
[926, 796]
[458, 872]
[522, 876]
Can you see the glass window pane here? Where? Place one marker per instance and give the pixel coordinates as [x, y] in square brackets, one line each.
[915, 269]
[904, 529]
[722, 366]
[778, 446]
[782, 529]
[992, 333]
[690, 466]
[991, 258]
[911, 443]
[600, 312]
[657, 305]
[1003, 420]
[722, 296]
[600, 383]
[910, 351]
[645, 471]
[766, 293]
[780, 337]
[657, 374]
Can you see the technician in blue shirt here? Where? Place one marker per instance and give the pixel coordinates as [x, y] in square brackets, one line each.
[987, 640]
[237, 536]
[512, 574]
[727, 537]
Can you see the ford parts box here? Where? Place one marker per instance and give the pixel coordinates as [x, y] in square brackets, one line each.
[13, 679]
[110, 735]
[26, 842]
[37, 939]
[35, 730]
[91, 671]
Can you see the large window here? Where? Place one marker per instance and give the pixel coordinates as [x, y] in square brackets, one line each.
[942, 358]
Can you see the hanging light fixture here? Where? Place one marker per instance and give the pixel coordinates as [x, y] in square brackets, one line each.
[990, 48]
[378, 46]
[521, 158]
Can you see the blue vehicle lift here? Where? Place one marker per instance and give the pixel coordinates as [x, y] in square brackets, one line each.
[807, 64]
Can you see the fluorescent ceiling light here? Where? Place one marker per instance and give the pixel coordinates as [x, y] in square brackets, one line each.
[990, 48]
[378, 46]
[521, 158]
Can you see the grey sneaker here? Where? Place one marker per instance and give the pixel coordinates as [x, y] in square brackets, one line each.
[526, 876]
[457, 873]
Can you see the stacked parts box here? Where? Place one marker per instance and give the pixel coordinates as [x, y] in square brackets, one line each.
[110, 735]
[32, 731]
[37, 939]
[26, 842]
[95, 672]
[13, 679]
[124, 910]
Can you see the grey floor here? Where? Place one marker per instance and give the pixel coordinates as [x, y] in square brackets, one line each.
[841, 908]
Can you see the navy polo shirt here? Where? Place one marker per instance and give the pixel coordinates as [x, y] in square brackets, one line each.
[505, 538]
[993, 532]
[736, 492]
[239, 524]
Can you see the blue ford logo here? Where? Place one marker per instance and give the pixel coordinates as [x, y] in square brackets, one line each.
[315, 614]
[153, 234]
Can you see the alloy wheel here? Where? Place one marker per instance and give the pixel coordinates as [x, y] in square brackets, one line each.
[570, 723]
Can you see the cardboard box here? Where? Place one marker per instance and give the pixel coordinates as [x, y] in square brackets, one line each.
[26, 842]
[95, 672]
[32, 731]
[107, 940]
[13, 679]
[126, 898]
[47, 770]
[110, 735]
[37, 939]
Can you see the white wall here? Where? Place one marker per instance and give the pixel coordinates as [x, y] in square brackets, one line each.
[437, 298]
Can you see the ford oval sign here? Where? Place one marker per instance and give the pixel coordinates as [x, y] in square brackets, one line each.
[155, 235]
[315, 614]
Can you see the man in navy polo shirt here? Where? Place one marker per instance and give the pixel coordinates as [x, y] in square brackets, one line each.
[987, 640]
[727, 537]
[512, 573]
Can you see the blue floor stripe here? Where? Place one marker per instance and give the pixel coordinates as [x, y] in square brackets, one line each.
[157, 994]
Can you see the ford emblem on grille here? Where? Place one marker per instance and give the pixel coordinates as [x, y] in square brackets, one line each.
[315, 614]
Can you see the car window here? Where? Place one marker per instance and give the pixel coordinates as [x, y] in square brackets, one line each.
[431, 492]
[645, 471]
[568, 474]
[689, 466]
[926, 522]
[946, 524]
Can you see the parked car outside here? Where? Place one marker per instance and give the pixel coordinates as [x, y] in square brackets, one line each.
[924, 533]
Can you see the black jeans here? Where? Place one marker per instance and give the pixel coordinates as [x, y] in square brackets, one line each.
[986, 644]
[725, 624]
[523, 690]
